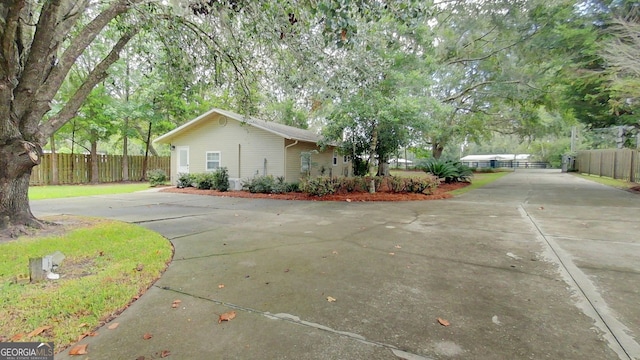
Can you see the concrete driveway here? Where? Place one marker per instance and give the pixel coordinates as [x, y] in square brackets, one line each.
[538, 265]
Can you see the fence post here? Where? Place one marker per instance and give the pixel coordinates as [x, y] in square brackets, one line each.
[632, 173]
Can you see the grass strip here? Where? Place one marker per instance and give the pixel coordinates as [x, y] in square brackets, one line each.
[620, 184]
[65, 191]
[107, 264]
[480, 180]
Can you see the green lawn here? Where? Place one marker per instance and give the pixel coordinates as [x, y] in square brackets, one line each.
[107, 264]
[620, 184]
[65, 191]
[480, 180]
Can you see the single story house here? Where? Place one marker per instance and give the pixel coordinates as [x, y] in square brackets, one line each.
[495, 160]
[247, 147]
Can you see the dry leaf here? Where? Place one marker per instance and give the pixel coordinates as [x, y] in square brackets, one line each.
[38, 331]
[331, 299]
[147, 336]
[392, 253]
[113, 326]
[165, 353]
[443, 322]
[16, 337]
[348, 200]
[139, 267]
[541, 208]
[398, 247]
[83, 325]
[79, 350]
[228, 316]
[140, 357]
[176, 303]
[220, 286]
[334, 252]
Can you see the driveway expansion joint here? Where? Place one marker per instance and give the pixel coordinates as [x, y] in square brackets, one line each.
[402, 354]
[591, 302]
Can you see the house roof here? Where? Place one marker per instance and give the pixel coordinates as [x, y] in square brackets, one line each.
[287, 132]
[502, 157]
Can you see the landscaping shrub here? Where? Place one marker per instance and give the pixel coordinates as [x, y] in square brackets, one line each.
[421, 185]
[221, 179]
[448, 171]
[205, 181]
[157, 177]
[463, 172]
[185, 180]
[269, 185]
[320, 186]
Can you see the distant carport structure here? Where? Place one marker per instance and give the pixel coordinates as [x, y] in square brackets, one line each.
[499, 160]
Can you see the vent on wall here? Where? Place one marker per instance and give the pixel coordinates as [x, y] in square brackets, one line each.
[222, 121]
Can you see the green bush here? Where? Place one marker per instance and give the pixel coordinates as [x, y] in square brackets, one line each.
[157, 177]
[448, 171]
[205, 181]
[269, 185]
[320, 186]
[422, 185]
[221, 179]
[185, 180]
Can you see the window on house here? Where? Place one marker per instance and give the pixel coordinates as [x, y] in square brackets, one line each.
[213, 160]
[335, 158]
[345, 159]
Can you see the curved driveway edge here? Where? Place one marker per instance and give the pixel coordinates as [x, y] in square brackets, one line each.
[484, 261]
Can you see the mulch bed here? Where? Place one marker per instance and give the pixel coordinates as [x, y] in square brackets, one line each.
[442, 192]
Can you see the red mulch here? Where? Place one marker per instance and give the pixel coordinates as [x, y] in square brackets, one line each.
[439, 193]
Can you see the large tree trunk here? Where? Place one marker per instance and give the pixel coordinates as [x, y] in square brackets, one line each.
[17, 158]
[437, 149]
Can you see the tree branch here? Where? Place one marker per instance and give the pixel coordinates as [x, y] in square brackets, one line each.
[77, 47]
[37, 61]
[98, 74]
[475, 86]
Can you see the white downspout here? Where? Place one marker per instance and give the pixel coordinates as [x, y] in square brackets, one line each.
[285, 157]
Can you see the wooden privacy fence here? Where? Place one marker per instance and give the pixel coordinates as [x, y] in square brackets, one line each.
[76, 168]
[623, 164]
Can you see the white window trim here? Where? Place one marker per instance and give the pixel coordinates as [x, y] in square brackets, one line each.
[206, 160]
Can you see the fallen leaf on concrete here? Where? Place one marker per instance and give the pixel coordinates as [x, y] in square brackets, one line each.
[220, 286]
[398, 247]
[286, 270]
[147, 336]
[334, 252]
[165, 353]
[16, 337]
[392, 253]
[348, 200]
[443, 322]
[176, 303]
[85, 334]
[331, 299]
[38, 331]
[140, 358]
[228, 316]
[79, 350]
[113, 326]
[541, 208]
